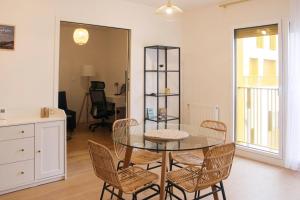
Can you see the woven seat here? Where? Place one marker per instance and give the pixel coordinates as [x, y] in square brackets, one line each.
[191, 158]
[143, 157]
[216, 167]
[138, 157]
[195, 158]
[132, 180]
[186, 178]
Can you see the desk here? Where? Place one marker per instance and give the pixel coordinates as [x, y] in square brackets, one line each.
[118, 100]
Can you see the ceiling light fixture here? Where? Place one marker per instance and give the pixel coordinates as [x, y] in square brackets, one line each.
[81, 36]
[264, 32]
[169, 8]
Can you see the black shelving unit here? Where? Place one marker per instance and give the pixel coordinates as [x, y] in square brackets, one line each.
[161, 73]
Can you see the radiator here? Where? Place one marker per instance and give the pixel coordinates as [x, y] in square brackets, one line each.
[197, 113]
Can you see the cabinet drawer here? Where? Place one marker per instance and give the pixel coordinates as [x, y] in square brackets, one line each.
[15, 132]
[16, 174]
[16, 150]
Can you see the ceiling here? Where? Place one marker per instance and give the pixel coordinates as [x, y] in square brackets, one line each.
[184, 4]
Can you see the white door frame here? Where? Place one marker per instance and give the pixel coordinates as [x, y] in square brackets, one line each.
[58, 20]
[283, 38]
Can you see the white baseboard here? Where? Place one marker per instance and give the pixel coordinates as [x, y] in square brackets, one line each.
[34, 184]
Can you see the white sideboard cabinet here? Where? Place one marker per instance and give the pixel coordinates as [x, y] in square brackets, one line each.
[32, 151]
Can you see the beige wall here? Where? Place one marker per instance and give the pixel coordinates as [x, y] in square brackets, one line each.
[106, 50]
[29, 76]
[208, 50]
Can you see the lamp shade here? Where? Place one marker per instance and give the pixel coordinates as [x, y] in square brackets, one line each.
[169, 9]
[88, 71]
[81, 36]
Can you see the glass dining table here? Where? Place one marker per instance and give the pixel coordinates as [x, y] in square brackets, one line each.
[167, 138]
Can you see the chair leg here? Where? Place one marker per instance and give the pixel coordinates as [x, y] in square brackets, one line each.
[184, 195]
[103, 189]
[197, 194]
[134, 197]
[223, 190]
[112, 194]
[167, 190]
[148, 166]
[171, 161]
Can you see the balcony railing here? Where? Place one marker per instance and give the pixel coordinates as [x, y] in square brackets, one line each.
[257, 112]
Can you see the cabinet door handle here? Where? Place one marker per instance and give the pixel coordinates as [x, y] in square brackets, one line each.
[22, 172]
[39, 151]
[22, 150]
[22, 131]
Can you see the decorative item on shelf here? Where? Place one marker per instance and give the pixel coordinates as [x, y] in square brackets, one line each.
[52, 111]
[116, 85]
[81, 36]
[7, 37]
[45, 112]
[167, 91]
[150, 113]
[162, 113]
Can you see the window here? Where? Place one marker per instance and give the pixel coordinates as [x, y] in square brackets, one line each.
[257, 88]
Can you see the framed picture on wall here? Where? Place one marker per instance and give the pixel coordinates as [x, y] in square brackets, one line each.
[7, 37]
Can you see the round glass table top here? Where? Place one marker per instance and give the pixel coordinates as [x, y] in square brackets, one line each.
[173, 137]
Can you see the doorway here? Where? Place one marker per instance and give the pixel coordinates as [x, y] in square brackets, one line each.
[102, 60]
[257, 97]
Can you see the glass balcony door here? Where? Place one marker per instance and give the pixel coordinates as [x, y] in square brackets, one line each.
[257, 103]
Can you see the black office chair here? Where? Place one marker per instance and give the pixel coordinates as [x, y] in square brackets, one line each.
[71, 115]
[101, 110]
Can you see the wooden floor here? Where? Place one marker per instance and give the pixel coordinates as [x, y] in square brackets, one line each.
[249, 180]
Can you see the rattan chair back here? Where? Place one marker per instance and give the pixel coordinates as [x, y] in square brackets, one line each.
[216, 165]
[120, 135]
[215, 125]
[103, 164]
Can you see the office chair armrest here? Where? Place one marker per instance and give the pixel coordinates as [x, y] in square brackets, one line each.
[110, 106]
[70, 112]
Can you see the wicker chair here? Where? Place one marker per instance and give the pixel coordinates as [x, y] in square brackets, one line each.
[216, 167]
[139, 157]
[195, 158]
[132, 180]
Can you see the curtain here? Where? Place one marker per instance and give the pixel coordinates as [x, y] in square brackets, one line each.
[292, 144]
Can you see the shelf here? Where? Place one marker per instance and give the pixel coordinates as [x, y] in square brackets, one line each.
[159, 70]
[161, 47]
[162, 71]
[161, 95]
[169, 118]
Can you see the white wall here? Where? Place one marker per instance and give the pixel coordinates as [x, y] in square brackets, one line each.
[208, 50]
[29, 75]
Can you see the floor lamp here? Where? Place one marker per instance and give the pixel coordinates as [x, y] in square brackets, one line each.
[87, 71]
